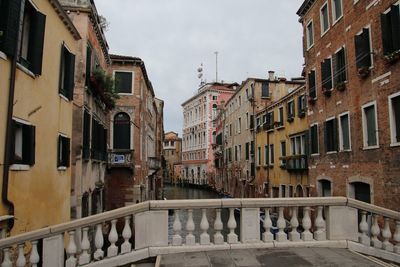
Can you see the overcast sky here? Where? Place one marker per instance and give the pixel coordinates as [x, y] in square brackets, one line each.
[174, 37]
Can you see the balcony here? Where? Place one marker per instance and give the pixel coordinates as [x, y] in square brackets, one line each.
[146, 230]
[121, 158]
[154, 163]
[296, 163]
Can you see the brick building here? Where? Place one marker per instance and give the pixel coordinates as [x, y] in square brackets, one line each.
[173, 155]
[351, 51]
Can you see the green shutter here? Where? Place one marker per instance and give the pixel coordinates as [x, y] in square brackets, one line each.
[61, 86]
[88, 64]
[386, 34]
[396, 109]
[395, 21]
[28, 144]
[70, 75]
[9, 24]
[59, 147]
[335, 143]
[36, 42]
[12, 141]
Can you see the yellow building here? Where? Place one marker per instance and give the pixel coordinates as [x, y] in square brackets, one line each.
[36, 88]
[282, 147]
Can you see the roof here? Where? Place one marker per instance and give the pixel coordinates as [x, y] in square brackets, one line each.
[305, 7]
[65, 19]
[213, 86]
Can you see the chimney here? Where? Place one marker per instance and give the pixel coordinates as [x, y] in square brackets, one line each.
[271, 75]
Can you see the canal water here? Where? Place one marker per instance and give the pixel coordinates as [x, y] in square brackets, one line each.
[172, 192]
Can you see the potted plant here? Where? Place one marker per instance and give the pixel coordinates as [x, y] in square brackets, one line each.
[103, 85]
[340, 86]
[327, 92]
[392, 57]
[363, 72]
[311, 100]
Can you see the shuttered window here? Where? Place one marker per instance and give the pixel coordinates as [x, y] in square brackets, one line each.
[301, 106]
[281, 116]
[259, 156]
[266, 155]
[283, 153]
[314, 146]
[23, 144]
[32, 39]
[86, 135]
[290, 110]
[344, 132]
[370, 126]
[337, 9]
[123, 82]
[247, 151]
[331, 135]
[363, 49]
[271, 154]
[324, 18]
[395, 102]
[340, 67]
[88, 69]
[265, 89]
[63, 158]
[311, 85]
[310, 34]
[67, 73]
[326, 74]
[99, 141]
[9, 26]
[390, 26]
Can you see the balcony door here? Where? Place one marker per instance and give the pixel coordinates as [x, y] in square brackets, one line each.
[122, 131]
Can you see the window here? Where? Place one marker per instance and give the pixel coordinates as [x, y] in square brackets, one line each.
[99, 141]
[247, 120]
[265, 89]
[370, 125]
[314, 145]
[270, 120]
[290, 111]
[283, 153]
[88, 70]
[236, 153]
[326, 75]
[63, 151]
[394, 116]
[247, 151]
[330, 135]
[280, 119]
[310, 34]
[339, 60]
[298, 144]
[390, 24]
[86, 135]
[301, 106]
[363, 50]
[9, 25]
[259, 156]
[67, 73]
[271, 154]
[23, 144]
[344, 132]
[240, 152]
[123, 82]
[324, 18]
[266, 155]
[337, 11]
[122, 131]
[239, 125]
[324, 188]
[312, 92]
[214, 97]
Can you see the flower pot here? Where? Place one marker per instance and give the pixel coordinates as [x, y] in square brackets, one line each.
[340, 86]
[363, 72]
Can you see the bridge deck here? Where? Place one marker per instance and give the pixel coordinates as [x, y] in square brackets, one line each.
[299, 257]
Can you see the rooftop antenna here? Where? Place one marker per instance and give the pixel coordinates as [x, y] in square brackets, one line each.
[200, 74]
[216, 66]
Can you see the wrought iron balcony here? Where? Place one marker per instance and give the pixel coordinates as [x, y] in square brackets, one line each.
[296, 163]
[121, 158]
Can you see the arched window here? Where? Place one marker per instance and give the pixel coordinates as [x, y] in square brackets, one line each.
[122, 131]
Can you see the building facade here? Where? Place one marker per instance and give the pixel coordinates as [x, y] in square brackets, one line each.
[37, 86]
[282, 147]
[351, 51]
[91, 106]
[173, 156]
[199, 131]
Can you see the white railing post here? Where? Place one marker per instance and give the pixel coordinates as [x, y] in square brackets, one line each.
[396, 238]
[320, 233]
[6, 258]
[306, 235]
[99, 242]
[281, 236]
[204, 225]
[190, 238]
[232, 237]
[71, 250]
[375, 231]
[364, 238]
[34, 258]
[218, 226]
[267, 236]
[21, 260]
[112, 250]
[387, 234]
[294, 223]
[177, 238]
[84, 258]
[126, 247]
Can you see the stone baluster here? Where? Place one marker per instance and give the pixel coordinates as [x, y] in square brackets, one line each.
[364, 238]
[232, 237]
[21, 260]
[34, 258]
[396, 238]
[190, 239]
[218, 226]
[6, 258]
[281, 236]
[320, 224]
[177, 239]
[204, 225]
[294, 235]
[386, 234]
[126, 247]
[84, 258]
[99, 242]
[375, 231]
[71, 250]
[267, 236]
[112, 250]
[306, 223]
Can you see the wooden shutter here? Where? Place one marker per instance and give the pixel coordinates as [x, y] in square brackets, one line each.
[66, 151]
[386, 34]
[59, 156]
[326, 74]
[28, 144]
[36, 42]
[61, 83]
[335, 143]
[299, 106]
[70, 75]
[88, 64]
[12, 142]
[363, 49]
[395, 22]
[396, 109]
[326, 137]
[9, 24]
[311, 84]
[247, 151]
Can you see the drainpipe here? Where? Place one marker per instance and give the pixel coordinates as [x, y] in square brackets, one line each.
[253, 104]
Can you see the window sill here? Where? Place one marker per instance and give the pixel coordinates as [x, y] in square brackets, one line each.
[331, 152]
[64, 97]
[345, 150]
[125, 94]
[395, 144]
[265, 97]
[315, 155]
[27, 71]
[337, 20]
[280, 128]
[311, 46]
[20, 167]
[370, 147]
[62, 168]
[3, 56]
[322, 34]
